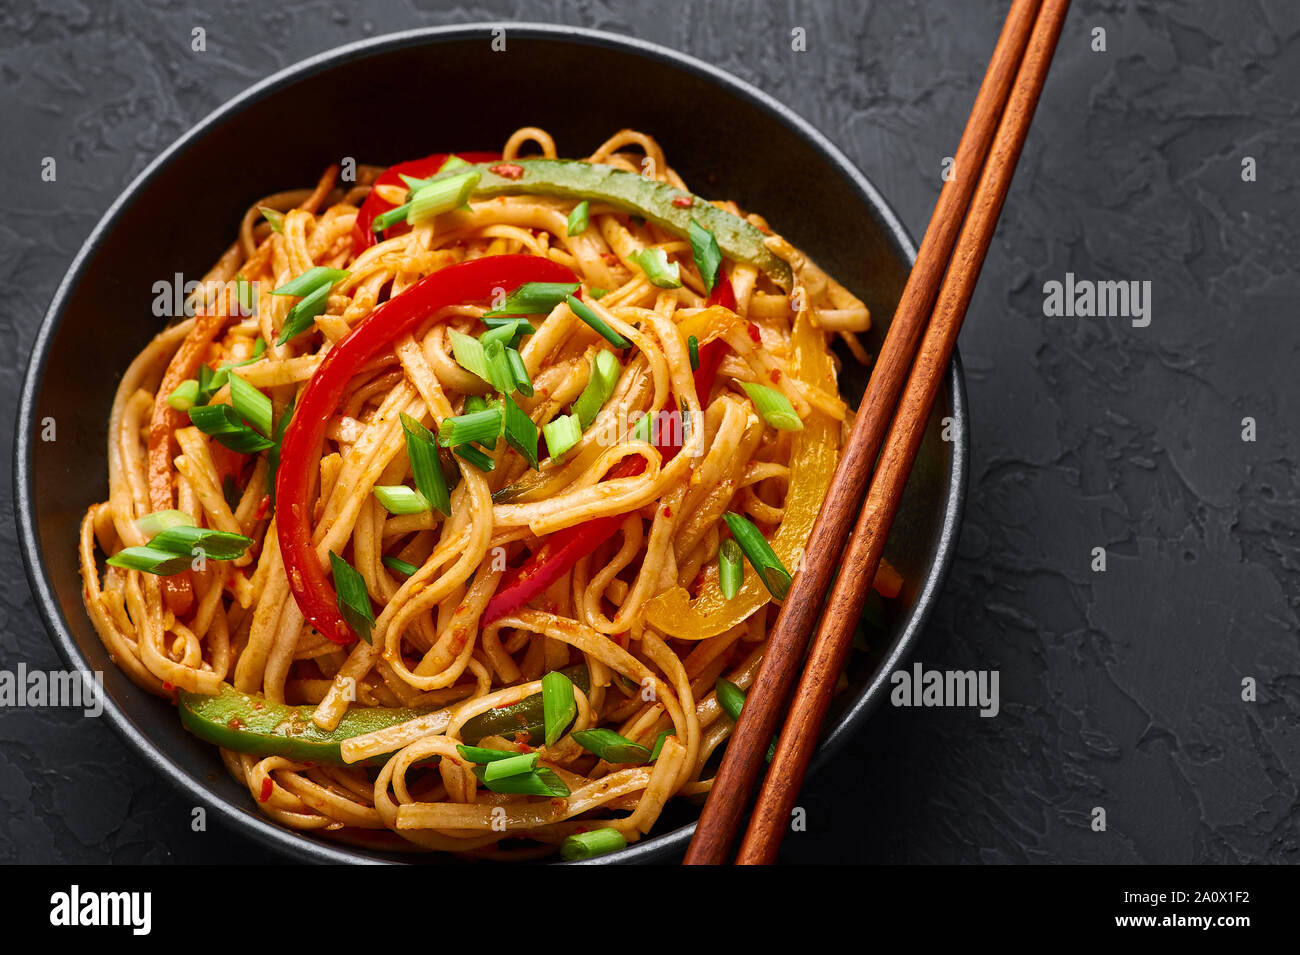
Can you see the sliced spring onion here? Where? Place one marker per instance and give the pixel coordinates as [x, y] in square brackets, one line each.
[475, 403]
[186, 539]
[559, 708]
[596, 842]
[599, 293]
[401, 566]
[659, 744]
[521, 433]
[533, 298]
[246, 294]
[578, 218]
[273, 216]
[540, 782]
[221, 422]
[693, 348]
[760, 555]
[561, 433]
[584, 312]
[161, 520]
[605, 370]
[708, 257]
[479, 427]
[732, 700]
[273, 453]
[644, 428]
[151, 560]
[658, 270]
[426, 465]
[774, 407]
[251, 405]
[731, 568]
[474, 456]
[442, 195]
[400, 499]
[518, 325]
[498, 367]
[611, 747]
[311, 280]
[354, 601]
[469, 354]
[386, 220]
[302, 315]
[515, 765]
[482, 755]
[186, 395]
[519, 372]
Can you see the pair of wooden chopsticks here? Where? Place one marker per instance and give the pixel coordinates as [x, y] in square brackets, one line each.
[912, 363]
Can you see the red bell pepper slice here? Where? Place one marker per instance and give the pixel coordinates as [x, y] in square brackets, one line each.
[472, 281]
[561, 550]
[363, 233]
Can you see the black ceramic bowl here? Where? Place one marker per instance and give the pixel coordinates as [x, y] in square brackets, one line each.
[180, 213]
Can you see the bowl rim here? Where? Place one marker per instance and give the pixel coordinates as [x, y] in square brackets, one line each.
[303, 847]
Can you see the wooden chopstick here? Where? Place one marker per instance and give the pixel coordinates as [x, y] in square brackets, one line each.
[1014, 79]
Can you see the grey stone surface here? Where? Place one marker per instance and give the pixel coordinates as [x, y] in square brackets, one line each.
[1119, 689]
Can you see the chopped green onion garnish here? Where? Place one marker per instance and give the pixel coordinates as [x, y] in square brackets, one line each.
[479, 427]
[498, 367]
[520, 432]
[730, 697]
[515, 765]
[302, 315]
[517, 324]
[442, 195]
[760, 555]
[474, 403]
[273, 216]
[611, 747]
[605, 370]
[251, 405]
[661, 273]
[474, 456]
[533, 298]
[482, 755]
[596, 842]
[221, 422]
[519, 373]
[774, 407]
[659, 744]
[708, 257]
[561, 433]
[386, 220]
[732, 700]
[401, 566]
[731, 569]
[400, 499]
[693, 348]
[150, 560]
[426, 465]
[578, 218]
[185, 539]
[246, 293]
[540, 782]
[161, 520]
[584, 312]
[559, 708]
[353, 600]
[643, 429]
[450, 164]
[599, 293]
[186, 395]
[311, 280]
[469, 354]
[273, 454]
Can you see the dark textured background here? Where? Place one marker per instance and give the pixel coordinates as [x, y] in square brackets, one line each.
[1119, 690]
